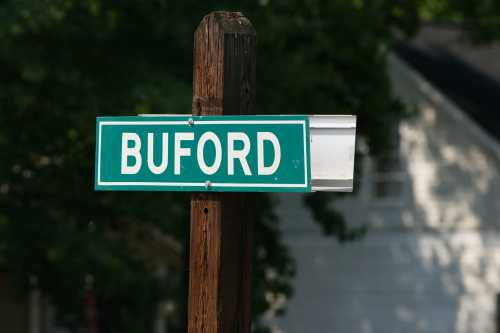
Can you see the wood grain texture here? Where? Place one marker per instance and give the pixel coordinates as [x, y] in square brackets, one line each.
[222, 223]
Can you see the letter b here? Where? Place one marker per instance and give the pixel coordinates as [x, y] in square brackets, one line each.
[134, 152]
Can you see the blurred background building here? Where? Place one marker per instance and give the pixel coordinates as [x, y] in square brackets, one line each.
[430, 261]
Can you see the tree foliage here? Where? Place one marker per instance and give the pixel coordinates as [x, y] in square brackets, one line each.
[64, 62]
[480, 18]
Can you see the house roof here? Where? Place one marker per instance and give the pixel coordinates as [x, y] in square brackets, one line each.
[468, 74]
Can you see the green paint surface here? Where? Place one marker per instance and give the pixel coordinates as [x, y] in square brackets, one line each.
[292, 174]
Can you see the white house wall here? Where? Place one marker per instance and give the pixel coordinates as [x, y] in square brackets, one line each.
[431, 259]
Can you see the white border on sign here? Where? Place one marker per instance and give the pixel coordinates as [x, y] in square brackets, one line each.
[203, 122]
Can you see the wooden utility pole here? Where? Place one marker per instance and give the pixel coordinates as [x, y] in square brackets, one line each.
[222, 223]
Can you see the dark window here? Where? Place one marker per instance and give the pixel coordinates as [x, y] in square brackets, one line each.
[388, 177]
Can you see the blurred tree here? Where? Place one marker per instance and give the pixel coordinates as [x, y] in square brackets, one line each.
[64, 62]
[480, 18]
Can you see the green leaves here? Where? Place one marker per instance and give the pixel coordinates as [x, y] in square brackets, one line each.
[480, 19]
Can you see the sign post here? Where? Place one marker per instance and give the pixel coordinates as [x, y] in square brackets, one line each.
[221, 153]
[222, 223]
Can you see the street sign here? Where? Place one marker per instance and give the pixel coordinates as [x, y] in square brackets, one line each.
[225, 153]
[214, 152]
[205, 153]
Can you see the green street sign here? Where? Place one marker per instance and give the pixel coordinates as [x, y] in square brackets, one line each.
[206, 153]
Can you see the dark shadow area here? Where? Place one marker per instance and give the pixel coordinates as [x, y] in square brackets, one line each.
[472, 90]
